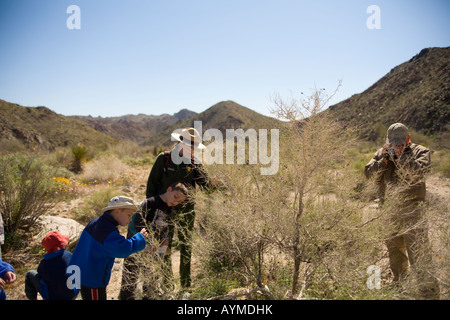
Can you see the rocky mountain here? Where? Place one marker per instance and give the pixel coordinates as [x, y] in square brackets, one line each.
[137, 128]
[416, 93]
[223, 115]
[41, 128]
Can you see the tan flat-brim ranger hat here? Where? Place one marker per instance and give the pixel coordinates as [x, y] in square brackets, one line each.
[189, 136]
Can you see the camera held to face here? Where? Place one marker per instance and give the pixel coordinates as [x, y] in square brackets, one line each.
[389, 153]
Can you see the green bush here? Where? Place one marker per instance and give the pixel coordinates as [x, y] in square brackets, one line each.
[27, 191]
[79, 153]
[11, 146]
[15, 241]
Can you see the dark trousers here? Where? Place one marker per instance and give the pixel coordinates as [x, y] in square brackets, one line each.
[32, 283]
[185, 227]
[93, 293]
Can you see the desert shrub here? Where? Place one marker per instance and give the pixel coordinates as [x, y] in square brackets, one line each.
[379, 133]
[139, 161]
[300, 233]
[79, 153]
[93, 204]
[123, 149]
[132, 154]
[103, 169]
[251, 234]
[422, 139]
[61, 157]
[15, 240]
[230, 235]
[441, 162]
[438, 218]
[444, 167]
[11, 146]
[27, 190]
[359, 155]
[214, 285]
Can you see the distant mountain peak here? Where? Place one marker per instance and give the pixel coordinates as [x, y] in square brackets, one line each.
[222, 116]
[184, 113]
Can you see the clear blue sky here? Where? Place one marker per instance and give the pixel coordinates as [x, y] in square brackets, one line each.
[155, 56]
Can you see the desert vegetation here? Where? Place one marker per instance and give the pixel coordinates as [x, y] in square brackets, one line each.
[311, 231]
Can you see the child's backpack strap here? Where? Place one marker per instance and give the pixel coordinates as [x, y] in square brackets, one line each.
[166, 160]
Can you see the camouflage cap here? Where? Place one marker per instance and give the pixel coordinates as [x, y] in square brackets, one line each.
[397, 134]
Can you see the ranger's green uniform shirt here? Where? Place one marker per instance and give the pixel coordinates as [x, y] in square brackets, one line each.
[189, 174]
[415, 159]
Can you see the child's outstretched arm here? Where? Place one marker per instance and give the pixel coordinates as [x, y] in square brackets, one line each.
[118, 246]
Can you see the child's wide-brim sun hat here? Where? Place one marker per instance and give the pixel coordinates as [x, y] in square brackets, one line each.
[121, 202]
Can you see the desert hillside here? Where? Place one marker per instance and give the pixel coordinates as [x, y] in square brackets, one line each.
[416, 93]
[23, 128]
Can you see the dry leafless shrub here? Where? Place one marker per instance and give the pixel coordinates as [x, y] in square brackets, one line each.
[103, 169]
[298, 233]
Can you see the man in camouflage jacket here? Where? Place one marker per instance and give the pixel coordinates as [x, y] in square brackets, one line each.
[399, 168]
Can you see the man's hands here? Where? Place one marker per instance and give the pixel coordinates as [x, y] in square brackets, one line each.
[392, 153]
[387, 154]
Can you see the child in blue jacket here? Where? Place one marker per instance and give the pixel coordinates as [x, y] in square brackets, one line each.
[100, 243]
[7, 276]
[50, 279]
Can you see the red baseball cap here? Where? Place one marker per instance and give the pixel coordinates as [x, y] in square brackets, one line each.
[54, 241]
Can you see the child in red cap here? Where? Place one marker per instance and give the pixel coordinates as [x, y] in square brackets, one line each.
[50, 279]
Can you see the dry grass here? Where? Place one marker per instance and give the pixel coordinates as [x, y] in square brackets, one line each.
[104, 169]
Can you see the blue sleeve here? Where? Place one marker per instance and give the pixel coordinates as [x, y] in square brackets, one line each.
[118, 246]
[5, 267]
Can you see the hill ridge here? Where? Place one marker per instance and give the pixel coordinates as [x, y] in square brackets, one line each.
[41, 128]
[416, 92]
[223, 115]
